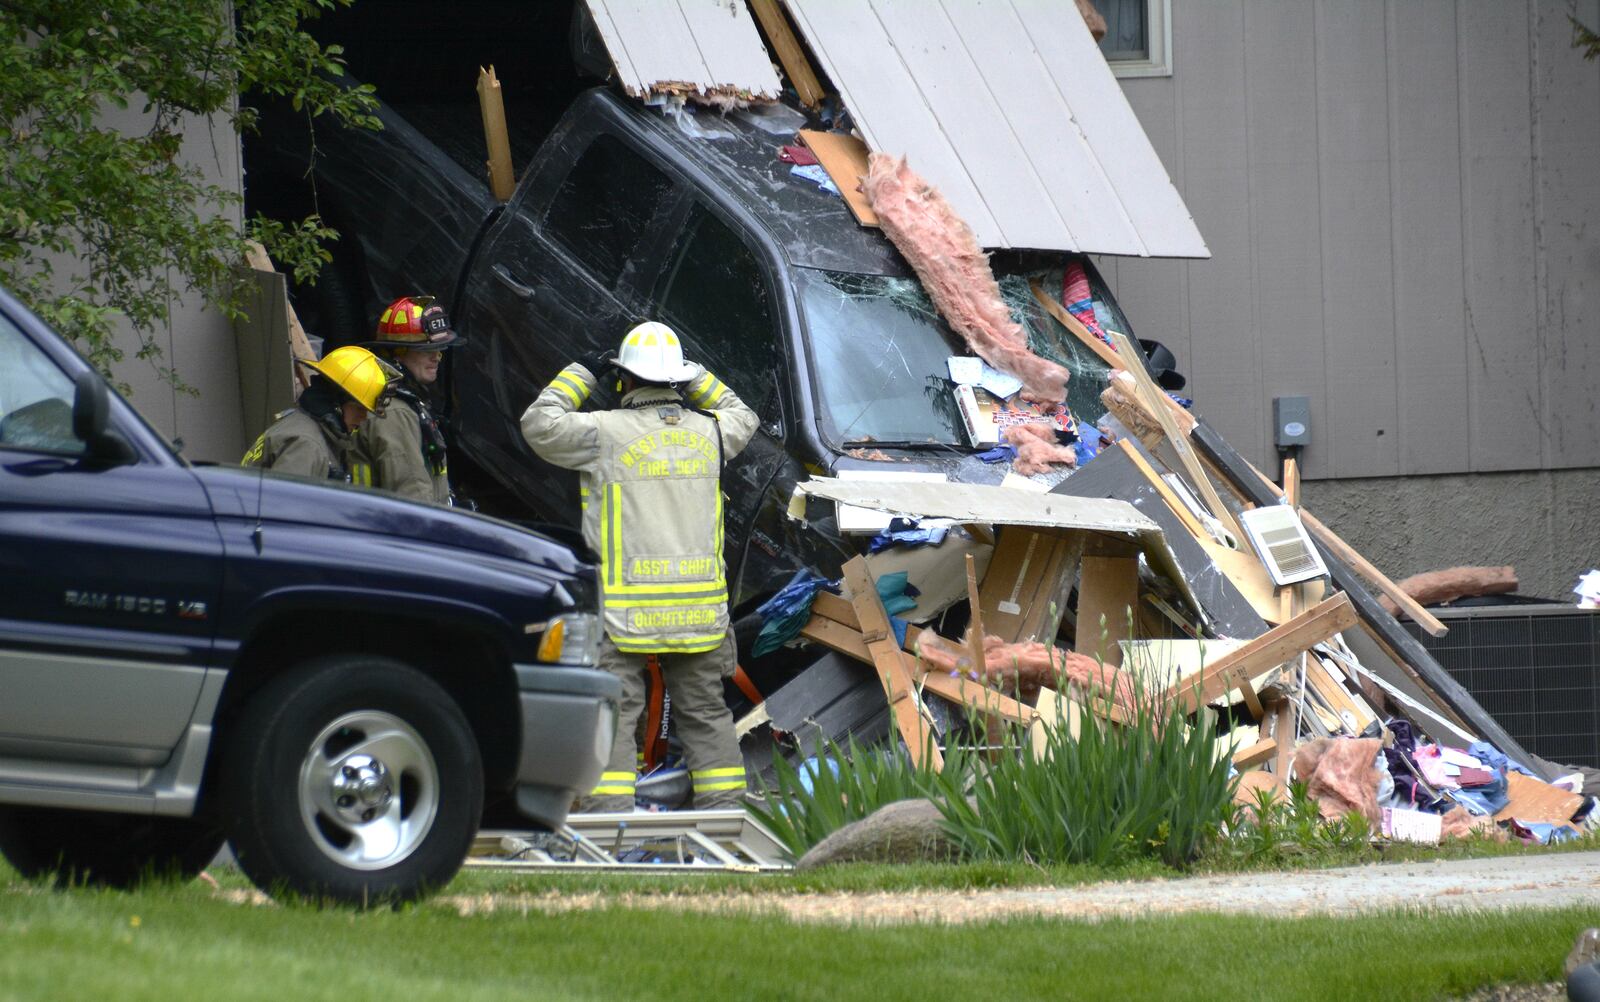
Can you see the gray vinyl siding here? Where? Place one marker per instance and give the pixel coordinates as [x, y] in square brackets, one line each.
[1402, 201]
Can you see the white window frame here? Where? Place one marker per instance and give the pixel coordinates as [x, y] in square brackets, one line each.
[1158, 15]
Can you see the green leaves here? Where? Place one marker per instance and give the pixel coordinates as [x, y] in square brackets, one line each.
[107, 215]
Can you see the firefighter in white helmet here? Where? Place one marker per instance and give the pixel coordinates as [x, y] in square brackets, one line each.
[649, 477]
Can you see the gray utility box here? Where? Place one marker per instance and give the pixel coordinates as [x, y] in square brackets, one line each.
[1535, 668]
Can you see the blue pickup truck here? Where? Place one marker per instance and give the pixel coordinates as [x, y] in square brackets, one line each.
[338, 683]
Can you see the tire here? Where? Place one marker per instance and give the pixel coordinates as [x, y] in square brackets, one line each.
[351, 779]
[103, 848]
[331, 308]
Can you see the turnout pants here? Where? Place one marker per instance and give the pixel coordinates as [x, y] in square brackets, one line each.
[703, 720]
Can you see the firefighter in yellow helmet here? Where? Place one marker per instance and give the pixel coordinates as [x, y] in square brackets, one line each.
[649, 477]
[406, 444]
[316, 438]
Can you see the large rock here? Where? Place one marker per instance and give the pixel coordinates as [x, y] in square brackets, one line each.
[906, 831]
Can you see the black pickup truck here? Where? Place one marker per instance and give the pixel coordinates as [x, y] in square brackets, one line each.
[622, 213]
[338, 682]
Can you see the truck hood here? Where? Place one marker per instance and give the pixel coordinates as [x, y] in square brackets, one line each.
[237, 492]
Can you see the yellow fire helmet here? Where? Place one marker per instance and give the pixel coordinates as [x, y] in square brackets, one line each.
[360, 373]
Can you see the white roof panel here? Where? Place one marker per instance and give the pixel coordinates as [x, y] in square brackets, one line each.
[668, 46]
[1009, 108]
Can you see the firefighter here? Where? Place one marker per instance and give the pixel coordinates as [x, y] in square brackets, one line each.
[406, 443]
[650, 491]
[316, 438]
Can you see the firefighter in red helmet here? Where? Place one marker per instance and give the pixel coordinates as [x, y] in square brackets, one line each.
[406, 444]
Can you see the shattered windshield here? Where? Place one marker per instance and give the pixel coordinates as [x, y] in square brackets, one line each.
[879, 350]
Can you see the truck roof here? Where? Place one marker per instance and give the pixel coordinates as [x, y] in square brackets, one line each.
[737, 154]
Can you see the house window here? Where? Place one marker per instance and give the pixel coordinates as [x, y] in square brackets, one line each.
[1138, 40]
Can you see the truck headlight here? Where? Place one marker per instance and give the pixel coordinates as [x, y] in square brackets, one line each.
[572, 638]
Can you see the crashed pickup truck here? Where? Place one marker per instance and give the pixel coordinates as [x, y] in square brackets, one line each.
[624, 212]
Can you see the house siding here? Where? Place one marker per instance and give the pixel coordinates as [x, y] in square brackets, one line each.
[1403, 206]
[1402, 200]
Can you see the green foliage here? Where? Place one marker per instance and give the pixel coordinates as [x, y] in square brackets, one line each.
[1583, 37]
[1155, 788]
[98, 223]
[1277, 830]
[835, 787]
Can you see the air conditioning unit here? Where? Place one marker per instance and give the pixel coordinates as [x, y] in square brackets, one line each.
[1535, 668]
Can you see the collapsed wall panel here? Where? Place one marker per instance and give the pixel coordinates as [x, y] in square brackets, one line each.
[708, 48]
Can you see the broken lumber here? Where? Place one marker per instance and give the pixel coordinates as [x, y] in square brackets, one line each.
[1155, 401]
[1404, 649]
[1120, 399]
[889, 660]
[1256, 754]
[791, 56]
[1276, 646]
[845, 159]
[491, 102]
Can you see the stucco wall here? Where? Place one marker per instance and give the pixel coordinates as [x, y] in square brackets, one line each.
[1546, 524]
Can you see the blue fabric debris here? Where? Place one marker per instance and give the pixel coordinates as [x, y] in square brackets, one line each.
[908, 533]
[1483, 751]
[1090, 442]
[897, 594]
[817, 176]
[1003, 453]
[784, 614]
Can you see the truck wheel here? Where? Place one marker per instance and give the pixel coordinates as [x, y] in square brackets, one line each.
[103, 848]
[353, 779]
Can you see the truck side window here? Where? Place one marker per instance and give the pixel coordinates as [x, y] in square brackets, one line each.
[713, 293]
[35, 398]
[604, 207]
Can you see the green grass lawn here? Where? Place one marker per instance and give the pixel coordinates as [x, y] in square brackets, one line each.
[184, 942]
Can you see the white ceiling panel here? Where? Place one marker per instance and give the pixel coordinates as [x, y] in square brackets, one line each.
[668, 46]
[1009, 108]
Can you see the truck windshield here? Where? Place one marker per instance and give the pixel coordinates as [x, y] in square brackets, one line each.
[878, 351]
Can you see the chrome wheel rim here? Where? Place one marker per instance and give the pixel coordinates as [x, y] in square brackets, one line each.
[369, 790]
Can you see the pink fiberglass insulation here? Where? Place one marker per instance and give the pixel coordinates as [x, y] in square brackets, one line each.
[1340, 775]
[1029, 665]
[1037, 449]
[1459, 823]
[955, 272]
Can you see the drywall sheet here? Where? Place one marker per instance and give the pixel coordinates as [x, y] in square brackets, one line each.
[685, 46]
[1009, 108]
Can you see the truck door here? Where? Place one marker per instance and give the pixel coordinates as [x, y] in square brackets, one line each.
[714, 290]
[546, 288]
[108, 582]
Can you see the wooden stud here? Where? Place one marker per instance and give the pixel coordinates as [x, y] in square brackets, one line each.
[491, 102]
[1107, 354]
[1276, 646]
[970, 693]
[845, 159]
[888, 659]
[980, 663]
[1325, 536]
[1153, 397]
[1254, 755]
[790, 53]
[1283, 734]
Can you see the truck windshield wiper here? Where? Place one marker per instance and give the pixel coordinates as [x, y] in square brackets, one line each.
[874, 443]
